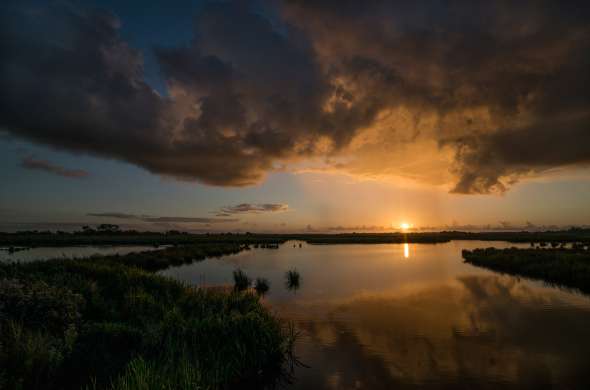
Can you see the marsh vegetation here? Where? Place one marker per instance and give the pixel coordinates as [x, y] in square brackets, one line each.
[111, 323]
[292, 279]
[569, 267]
[262, 285]
[241, 280]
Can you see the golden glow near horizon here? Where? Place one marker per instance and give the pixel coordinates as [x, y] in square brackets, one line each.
[407, 250]
[405, 226]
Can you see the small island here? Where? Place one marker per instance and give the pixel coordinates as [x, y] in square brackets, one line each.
[568, 267]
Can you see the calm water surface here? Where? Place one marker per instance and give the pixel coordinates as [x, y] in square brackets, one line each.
[44, 253]
[415, 316]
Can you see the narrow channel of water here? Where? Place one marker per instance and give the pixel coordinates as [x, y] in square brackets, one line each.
[45, 253]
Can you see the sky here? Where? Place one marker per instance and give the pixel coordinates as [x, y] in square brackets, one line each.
[285, 115]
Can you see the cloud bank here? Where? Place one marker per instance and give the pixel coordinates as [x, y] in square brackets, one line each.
[153, 219]
[46, 166]
[244, 208]
[473, 94]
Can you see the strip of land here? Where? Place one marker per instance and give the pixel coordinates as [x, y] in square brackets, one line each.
[116, 237]
[568, 267]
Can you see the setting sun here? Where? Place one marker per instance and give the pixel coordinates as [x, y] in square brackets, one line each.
[404, 226]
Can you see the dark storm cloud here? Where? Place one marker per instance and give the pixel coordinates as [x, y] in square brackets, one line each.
[253, 208]
[152, 219]
[70, 82]
[46, 166]
[484, 159]
[506, 80]
[114, 215]
[526, 63]
[188, 220]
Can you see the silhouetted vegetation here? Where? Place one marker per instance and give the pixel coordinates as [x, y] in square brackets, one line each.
[261, 286]
[173, 256]
[114, 236]
[14, 249]
[292, 279]
[565, 236]
[108, 323]
[111, 236]
[241, 280]
[566, 267]
[268, 245]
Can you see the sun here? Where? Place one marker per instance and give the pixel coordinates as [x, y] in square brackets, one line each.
[405, 226]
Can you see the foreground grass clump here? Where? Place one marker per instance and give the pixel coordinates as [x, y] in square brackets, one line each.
[292, 279]
[566, 267]
[241, 280]
[98, 323]
[261, 286]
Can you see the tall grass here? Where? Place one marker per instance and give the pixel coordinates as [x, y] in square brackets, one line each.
[142, 374]
[241, 280]
[261, 286]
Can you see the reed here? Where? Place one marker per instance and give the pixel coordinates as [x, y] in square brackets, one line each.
[261, 286]
[292, 279]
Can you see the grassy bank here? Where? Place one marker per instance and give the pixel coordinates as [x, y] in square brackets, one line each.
[168, 257]
[109, 323]
[566, 267]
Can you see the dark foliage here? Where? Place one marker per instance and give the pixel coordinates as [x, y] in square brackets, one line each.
[292, 279]
[566, 267]
[116, 237]
[241, 280]
[108, 323]
[261, 286]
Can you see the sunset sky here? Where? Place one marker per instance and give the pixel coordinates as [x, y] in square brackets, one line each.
[279, 116]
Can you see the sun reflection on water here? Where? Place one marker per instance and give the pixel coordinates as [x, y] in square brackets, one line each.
[407, 250]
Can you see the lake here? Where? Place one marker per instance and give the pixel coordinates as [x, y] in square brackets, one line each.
[414, 316]
[45, 253]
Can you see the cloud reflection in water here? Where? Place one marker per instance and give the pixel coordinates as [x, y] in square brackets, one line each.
[476, 329]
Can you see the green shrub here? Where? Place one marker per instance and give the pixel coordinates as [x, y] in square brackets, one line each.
[29, 359]
[102, 352]
[40, 306]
